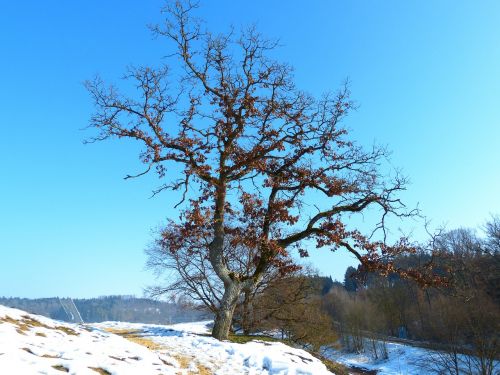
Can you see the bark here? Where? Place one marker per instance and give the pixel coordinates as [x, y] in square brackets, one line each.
[245, 319]
[232, 289]
[224, 316]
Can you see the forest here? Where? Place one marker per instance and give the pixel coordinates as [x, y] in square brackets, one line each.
[110, 308]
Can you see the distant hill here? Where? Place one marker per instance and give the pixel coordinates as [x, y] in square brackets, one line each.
[111, 308]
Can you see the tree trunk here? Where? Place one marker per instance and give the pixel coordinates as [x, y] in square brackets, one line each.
[245, 318]
[224, 316]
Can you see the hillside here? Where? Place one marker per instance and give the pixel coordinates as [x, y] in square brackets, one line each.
[32, 344]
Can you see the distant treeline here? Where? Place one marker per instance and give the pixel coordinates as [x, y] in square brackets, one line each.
[463, 317]
[111, 308]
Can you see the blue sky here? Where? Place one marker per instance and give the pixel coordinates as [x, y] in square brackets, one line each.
[426, 76]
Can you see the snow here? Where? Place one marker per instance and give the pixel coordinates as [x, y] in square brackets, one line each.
[191, 340]
[31, 344]
[39, 349]
[402, 360]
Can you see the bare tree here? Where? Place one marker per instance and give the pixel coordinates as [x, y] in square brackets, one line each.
[292, 305]
[188, 271]
[492, 229]
[253, 155]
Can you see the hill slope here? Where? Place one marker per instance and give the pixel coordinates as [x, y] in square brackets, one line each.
[31, 344]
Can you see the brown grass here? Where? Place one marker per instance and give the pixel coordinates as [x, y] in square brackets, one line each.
[50, 356]
[243, 339]
[204, 370]
[100, 370]
[60, 368]
[185, 361]
[28, 350]
[122, 332]
[134, 336]
[67, 330]
[24, 324]
[7, 319]
[27, 323]
[117, 358]
[334, 367]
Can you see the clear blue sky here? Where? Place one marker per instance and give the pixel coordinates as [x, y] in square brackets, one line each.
[425, 73]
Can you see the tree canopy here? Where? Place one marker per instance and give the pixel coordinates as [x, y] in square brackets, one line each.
[259, 163]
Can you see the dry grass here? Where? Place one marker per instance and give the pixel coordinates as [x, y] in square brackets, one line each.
[66, 330]
[148, 343]
[204, 370]
[28, 350]
[7, 319]
[122, 332]
[60, 368]
[23, 325]
[50, 356]
[27, 323]
[185, 362]
[32, 322]
[243, 339]
[134, 336]
[335, 367]
[116, 358]
[100, 370]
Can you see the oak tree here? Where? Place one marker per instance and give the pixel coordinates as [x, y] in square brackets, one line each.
[253, 157]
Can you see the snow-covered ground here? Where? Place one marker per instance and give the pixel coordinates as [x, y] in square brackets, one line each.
[401, 360]
[32, 344]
